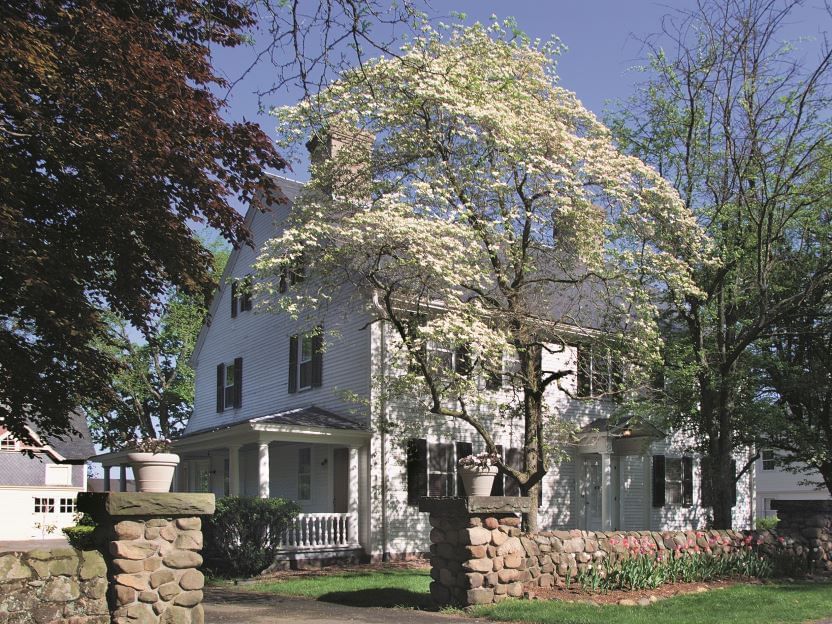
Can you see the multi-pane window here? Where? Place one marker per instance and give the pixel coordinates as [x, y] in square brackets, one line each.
[306, 355]
[598, 370]
[229, 384]
[769, 460]
[673, 487]
[441, 469]
[44, 505]
[510, 367]
[304, 473]
[8, 443]
[66, 505]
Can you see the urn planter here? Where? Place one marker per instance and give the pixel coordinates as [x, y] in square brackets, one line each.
[153, 471]
[478, 480]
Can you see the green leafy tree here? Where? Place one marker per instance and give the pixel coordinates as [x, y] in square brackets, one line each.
[492, 214]
[737, 120]
[154, 382]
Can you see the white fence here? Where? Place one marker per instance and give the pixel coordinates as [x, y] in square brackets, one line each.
[312, 531]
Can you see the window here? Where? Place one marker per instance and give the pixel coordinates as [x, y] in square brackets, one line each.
[230, 385]
[306, 360]
[672, 481]
[291, 275]
[441, 469]
[598, 371]
[432, 468]
[769, 460]
[44, 505]
[510, 366]
[58, 474]
[66, 505]
[241, 292]
[8, 443]
[304, 473]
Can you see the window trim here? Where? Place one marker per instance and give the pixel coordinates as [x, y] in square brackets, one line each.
[229, 369]
[586, 380]
[44, 504]
[309, 362]
[4, 444]
[64, 469]
[771, 460]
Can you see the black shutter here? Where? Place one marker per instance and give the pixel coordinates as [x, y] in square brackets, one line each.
[281, 286]
[687, 482]
[497, 488]
[293, 363]
[463, 360]
[583, 366]
[417, 470]
[234, 299]
[463, 449]
[317, 358]
[220, 387]
[238, 382]
[658, 480]
[733, 477]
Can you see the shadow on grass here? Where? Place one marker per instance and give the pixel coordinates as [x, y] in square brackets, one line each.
[382, 597]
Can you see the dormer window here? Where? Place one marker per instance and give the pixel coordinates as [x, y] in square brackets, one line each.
[8, 444]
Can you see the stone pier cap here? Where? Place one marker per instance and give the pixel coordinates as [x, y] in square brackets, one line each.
[474, 505]
[166, 505]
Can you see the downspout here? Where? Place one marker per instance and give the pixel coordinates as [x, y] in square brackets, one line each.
[385, 553]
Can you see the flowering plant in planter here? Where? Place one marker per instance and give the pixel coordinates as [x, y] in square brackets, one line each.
[153, 466]
[152, 445]
[483, 460]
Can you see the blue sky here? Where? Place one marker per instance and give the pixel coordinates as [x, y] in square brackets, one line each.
[602, 36]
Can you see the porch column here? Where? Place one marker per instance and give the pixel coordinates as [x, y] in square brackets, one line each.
[353, 494]
[122, 477]
[106, 478]
[234, 469]
[263, 469]
[606, 508]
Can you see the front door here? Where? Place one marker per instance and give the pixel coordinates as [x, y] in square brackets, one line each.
[199, 475]
[341, 480]
[591, 492]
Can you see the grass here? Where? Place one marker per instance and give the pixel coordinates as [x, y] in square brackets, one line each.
[783, 603]
[739, 604]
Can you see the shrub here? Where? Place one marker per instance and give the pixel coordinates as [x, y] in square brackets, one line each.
[80, 537]
[242, 537]
[769, 522]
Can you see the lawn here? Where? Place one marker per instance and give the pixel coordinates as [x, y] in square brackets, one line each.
[408, 588]
[740, 604]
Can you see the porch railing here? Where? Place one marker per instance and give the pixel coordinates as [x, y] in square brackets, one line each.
[320, 530]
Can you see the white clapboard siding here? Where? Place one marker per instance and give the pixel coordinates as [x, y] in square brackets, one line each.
[262, 340]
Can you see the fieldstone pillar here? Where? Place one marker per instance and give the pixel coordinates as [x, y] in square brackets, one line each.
[476, 554]
[151, 543]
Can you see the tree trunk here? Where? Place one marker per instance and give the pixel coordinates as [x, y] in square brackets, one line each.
[530, 359]
[825, 470]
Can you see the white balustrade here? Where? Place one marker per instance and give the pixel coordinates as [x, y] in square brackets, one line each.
[311, 531]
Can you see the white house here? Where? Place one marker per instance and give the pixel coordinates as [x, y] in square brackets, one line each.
[39, 482]
[773, 482]
[276, 416]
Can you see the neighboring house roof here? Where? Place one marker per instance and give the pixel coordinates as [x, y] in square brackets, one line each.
[74, 447]
[312, 416]
[69, 447]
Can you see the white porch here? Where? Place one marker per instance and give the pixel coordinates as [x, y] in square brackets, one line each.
[317, 467]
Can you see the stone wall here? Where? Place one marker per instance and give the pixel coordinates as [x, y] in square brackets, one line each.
[152, 544]
[810, 520]
[479, 555]
[56, 586]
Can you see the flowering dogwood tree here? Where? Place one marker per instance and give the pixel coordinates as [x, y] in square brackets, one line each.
[480, 208]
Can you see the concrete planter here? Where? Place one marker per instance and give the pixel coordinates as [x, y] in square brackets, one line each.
[153, 471]
[478, 481]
